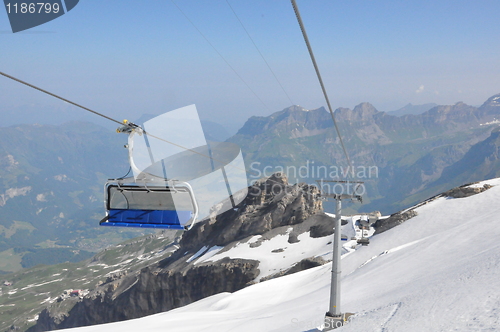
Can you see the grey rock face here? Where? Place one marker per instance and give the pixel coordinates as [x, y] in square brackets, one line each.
[151, 291]
[394, 220]
[465, 191]
[306, 263]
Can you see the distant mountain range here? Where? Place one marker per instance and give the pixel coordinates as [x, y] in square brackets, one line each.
[411, 152]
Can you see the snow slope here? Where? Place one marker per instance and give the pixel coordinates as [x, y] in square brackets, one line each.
[439, 271]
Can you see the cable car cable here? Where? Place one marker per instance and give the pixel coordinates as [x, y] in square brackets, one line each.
[261, 55]
[311, 54]
[61, 98]
[133, 126]
[222, 57]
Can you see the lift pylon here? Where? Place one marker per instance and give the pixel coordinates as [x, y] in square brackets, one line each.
[334, 318]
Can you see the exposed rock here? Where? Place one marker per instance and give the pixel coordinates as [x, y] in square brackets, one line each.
[306, 263]
[270, 203]
[114, 276]
[323, 229]
[150, 292]
[465, 191]
[394, 220]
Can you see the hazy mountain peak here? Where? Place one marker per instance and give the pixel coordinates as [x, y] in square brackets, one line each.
[363, 111]
[492, 101]
[294, 121]
[296, 108]
[365, 108]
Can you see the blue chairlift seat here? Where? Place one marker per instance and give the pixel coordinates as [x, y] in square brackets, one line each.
[148, 218]
[134, 205]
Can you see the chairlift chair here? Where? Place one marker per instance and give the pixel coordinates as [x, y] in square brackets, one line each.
[169, 156]
[160, 204]
[364, 241]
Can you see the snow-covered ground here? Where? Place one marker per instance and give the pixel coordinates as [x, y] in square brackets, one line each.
[439, 271]
[277, 254]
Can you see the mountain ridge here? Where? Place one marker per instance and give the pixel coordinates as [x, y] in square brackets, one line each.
[409, 147]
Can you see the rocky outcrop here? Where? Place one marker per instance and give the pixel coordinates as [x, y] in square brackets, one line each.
[394, 220]
[466, 191]
[306, 263]
[292, 122]
[270, 203]
[489, 110]
[271, 207]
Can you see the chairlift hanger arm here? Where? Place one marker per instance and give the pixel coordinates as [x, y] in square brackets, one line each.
[128, 127]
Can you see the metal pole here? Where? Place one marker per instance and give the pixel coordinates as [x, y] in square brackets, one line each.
[334, 310]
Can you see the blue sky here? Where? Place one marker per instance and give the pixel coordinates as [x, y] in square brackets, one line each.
[125, 58]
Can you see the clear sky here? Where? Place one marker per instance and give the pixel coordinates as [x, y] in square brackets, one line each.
[125, 58]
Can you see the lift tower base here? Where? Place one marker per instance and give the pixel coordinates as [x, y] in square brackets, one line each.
[333, 322]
